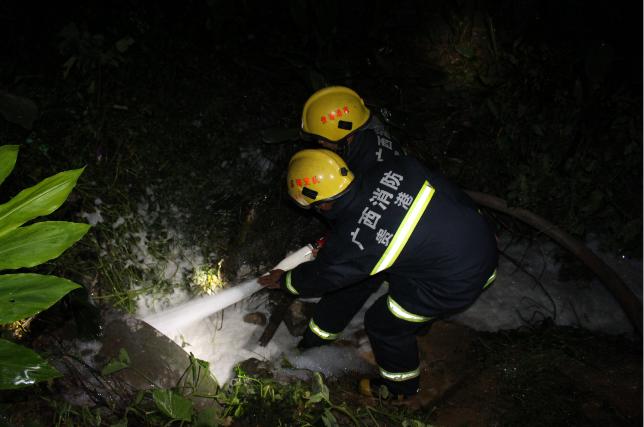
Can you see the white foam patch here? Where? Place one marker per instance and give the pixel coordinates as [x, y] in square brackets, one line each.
[224, 340]
[331, 361]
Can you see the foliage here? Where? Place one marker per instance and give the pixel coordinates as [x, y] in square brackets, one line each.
[87, 52]
[246, 400]
[554, 128]
[23, 246]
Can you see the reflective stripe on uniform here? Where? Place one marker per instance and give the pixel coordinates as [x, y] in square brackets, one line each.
[321, 332]
[405, 228]
[399, 376]
[403, 314]
[490, 280]
[289, 286]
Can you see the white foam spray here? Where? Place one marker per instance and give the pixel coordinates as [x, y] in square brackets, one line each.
[174, 318]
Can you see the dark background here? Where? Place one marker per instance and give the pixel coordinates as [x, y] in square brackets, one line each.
[538, 102]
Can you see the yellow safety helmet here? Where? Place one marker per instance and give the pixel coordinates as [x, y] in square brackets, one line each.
[317, 175]
[333, 113]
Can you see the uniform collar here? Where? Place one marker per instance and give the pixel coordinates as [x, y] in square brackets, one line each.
[342, 202]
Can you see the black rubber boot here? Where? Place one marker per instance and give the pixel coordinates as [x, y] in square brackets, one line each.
[310, 340]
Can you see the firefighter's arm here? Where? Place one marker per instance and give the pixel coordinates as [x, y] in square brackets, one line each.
[317, 278]
[278, 279]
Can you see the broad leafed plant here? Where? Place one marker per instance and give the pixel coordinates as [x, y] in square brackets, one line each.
[24, 294]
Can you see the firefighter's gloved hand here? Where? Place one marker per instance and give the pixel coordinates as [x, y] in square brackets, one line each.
[271, 280]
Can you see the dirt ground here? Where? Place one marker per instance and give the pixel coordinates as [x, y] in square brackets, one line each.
[548, 376]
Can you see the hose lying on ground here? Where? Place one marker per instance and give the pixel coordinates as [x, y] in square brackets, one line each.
[624, 296]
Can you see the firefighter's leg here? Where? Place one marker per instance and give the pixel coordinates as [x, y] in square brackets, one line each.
[334, 311]
[393, 341]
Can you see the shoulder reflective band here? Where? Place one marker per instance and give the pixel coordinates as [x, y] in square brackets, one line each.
[321, 332]
[289, 286]
[490, 280]
[403, 314]
[399, 376]
[405, 228]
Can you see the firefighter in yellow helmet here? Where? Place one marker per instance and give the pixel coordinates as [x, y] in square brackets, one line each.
[397, 219]
[329, 181]
[338, 119]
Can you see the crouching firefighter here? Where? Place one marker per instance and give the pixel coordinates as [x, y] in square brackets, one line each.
[398, 220]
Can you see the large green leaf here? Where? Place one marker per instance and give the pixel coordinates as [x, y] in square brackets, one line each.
[21, 367]
[25, 294]
[8, 156]
[173, 404]
[34, 244]
[41, 199]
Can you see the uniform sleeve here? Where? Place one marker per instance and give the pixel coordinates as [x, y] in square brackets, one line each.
[328, 272]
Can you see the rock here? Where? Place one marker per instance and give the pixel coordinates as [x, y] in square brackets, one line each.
[290, 375]
[150, 360]
[255, 318]
[297, 317]
[154, 358]
[257, 368]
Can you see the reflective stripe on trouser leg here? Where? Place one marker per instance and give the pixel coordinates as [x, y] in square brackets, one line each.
[325, 335]
[399, 376]
[490, 280]
[334, 311]
[397, 310]
[393, 341]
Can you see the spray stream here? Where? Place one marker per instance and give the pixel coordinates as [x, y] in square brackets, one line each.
[174, 318]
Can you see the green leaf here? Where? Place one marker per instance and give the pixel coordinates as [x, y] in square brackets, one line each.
[139, 397]
[124, 44]
[172, 404]
[124, 357]
[41, 199]
[116, 365]
[22, 367]
[209, 417]
[8, 156]
[113, 366]
[319, 391]
[37, 243]
[328, 419]
[25, 294]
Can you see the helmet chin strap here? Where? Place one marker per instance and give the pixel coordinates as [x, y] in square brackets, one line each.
[343, 147]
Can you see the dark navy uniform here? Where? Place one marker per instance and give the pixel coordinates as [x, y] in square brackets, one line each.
[370, 147]
[424, 234]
